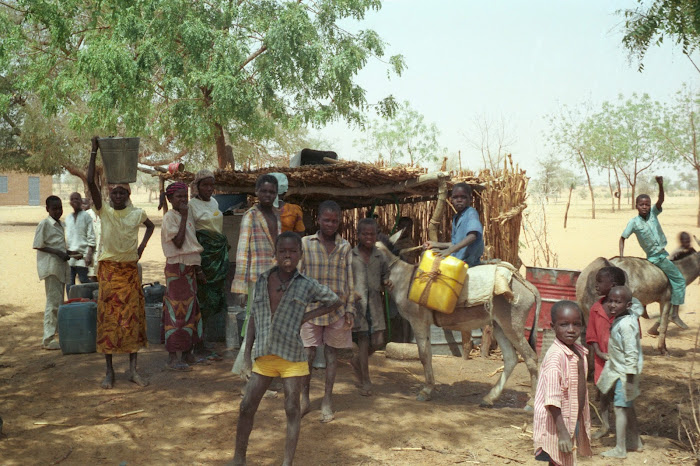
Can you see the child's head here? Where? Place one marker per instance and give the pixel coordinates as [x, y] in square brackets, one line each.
[405, 224]
[329, 218]
[684, 238]
[619, 301]
[643, 204]
[76, 202]
[461, 197]
[288, 251]
[367, 230]
[54, 207]
[177, 195]
[608, 277]
[85, 203]
[567, 321]
[119, 195]
[266, 189]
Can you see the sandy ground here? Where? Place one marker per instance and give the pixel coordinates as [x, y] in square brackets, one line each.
[190, 418]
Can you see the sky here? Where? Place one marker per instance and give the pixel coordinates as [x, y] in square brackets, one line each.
[512, 60]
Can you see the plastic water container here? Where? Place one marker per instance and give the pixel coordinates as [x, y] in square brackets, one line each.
[154, 323]
[215, 330]
[233, 332]
[120, 157]
[77, 327]
[438, 282]
[82, 290]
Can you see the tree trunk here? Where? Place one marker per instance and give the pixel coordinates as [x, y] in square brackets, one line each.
[221, 147]
[568, 204]
[590, 185]
[612, 194]
[619, 189]
[634, 185]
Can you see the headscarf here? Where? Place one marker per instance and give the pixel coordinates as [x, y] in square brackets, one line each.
[282, 186]
[174, 187]
[201, 174]
[126, 186]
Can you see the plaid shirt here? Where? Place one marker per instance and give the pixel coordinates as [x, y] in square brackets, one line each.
[279, 333]
[256, 249]
[333, 270]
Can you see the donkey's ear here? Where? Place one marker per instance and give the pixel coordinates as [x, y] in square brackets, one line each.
[395, 237]
[697, 240]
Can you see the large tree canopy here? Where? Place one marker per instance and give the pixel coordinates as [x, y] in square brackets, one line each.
[187, 75]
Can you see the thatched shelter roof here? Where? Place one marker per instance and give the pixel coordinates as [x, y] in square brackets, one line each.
[351, 184]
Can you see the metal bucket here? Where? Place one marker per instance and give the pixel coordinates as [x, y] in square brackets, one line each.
[120, 157]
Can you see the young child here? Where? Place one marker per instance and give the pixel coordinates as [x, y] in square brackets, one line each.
[181, 315]
[598, 332]
[328, 259]
[467, 232]
[651, 238]
[562, 420]
[52, 265]
[255, 253]
[121, 313]
[273, 343]
[80, 237]
[686, 248]
[370, 271]
[620, 377]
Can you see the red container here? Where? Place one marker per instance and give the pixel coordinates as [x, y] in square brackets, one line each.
[174, 167]
[553, 285]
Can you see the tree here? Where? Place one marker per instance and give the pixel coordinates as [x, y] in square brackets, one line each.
[679, 133]
[189, 75]
[491, 138]
[650, 23]
[553, 177]
[570, 135]
[404, 138]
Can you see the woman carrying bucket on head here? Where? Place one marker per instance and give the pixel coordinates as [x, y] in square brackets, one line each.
[121, 315]
[181, 317]
[209, 224]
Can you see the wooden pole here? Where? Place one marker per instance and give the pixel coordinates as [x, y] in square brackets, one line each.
[568, 204]
[440, 206]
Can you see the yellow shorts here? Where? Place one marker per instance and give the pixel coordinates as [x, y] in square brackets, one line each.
[272, 365]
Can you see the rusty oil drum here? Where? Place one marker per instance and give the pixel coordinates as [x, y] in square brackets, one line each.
[553, 285]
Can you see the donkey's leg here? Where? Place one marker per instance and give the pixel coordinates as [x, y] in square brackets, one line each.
[421, 330]
[523, 348]
[510, 359]
[663, 326]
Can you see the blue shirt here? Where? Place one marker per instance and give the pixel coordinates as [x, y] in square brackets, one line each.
[649, 233]
[464, 223]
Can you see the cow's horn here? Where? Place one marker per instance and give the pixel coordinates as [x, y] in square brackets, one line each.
[395, 237]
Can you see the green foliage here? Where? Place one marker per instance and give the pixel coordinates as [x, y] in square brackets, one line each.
[184, 73]
[406, 138]
[651, 22]
[553, 177]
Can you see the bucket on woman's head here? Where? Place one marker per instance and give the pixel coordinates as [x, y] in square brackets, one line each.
[120, 157]
[174, 167]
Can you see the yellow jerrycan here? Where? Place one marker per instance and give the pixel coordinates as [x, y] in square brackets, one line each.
[438, 282]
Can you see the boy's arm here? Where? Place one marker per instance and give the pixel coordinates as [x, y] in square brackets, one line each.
[622, 246]
[660, 201]
[565, 444]
[90, 236]
[92, 186]
[326, 297]
[57, 252]
[149, 231]
[247, 369]
[320, 311]
[469, 239]
[598, 352]
[39, 243]
[239, 286]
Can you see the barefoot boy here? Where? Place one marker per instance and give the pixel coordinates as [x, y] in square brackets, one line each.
[651, 238]
[274, 343]
[562, 417]
[621, 374]
[370, 271]
[328, 259]
[52, 265]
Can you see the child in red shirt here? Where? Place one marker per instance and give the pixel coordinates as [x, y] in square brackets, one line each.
[598, 333]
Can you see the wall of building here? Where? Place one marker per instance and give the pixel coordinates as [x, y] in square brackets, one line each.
[14, 188]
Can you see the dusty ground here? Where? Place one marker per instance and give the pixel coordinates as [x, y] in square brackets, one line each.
[190, 418]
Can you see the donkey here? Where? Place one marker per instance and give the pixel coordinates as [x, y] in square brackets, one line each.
[507, 318]
[647, 282]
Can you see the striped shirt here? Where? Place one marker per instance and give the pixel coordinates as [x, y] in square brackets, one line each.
[279, 333]
[558, 386]
[333, 270]
[256, 249]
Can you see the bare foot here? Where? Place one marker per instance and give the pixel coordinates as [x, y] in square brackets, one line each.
[677, 320]
[615, 453]
[270, 394]
[635, 444]
[108, 382]
[305, 406]
[366, 390]
[326, 413]
[600, 433]
[654, 329]
[137, 379]
[189, 359]
[356, 370]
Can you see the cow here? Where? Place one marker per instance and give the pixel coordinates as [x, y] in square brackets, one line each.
[507, 318]
[647, 282]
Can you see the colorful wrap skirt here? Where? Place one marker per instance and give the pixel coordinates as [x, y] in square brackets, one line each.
[121, 313]
[211, 295]
[182, 321]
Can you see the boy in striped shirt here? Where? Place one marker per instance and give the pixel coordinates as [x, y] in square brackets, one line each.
[562, 421]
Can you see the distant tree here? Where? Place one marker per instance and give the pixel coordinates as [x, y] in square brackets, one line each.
[679, 133]
[492, 138]
[570, 135]
[188, 75]
[553, 177]
[651, 22]
[405, 138]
